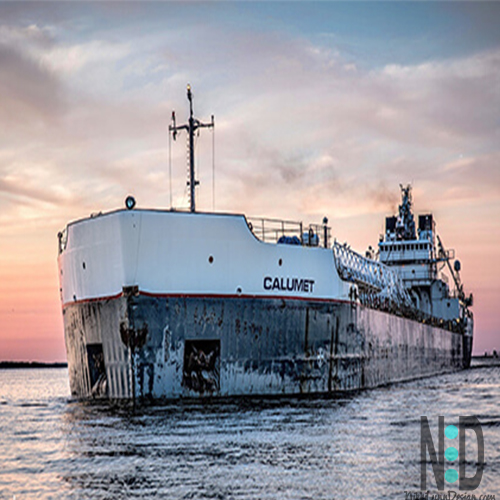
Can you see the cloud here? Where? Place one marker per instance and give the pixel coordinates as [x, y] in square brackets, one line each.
[71, 59]
[297, 123]
[18, 187]
[394, 124]
[29, 90]
[455, 99]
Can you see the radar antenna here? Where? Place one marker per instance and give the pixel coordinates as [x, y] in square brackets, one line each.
[191, 127]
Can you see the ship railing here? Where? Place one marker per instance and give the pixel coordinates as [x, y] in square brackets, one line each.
[289, 232]
[271, 230]
[318, 235]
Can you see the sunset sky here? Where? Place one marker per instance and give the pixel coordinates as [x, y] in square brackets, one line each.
[320, 109]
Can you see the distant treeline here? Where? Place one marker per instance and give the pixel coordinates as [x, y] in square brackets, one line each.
[30, 364]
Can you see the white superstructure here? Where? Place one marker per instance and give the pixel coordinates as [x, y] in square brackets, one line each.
[419, 259]
[167, 252]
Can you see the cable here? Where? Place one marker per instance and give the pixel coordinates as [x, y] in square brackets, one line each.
[170, 166]
[213, 169]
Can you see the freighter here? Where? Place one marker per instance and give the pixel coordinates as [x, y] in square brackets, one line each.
[168, 304]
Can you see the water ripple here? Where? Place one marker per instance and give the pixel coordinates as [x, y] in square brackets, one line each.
[366, 445]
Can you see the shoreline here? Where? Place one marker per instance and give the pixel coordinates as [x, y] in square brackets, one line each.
[484, 361]
[477, 361]
[7, 365]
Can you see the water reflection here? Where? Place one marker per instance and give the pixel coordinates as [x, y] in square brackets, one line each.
[366, 445]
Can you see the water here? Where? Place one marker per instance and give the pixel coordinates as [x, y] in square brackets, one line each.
[359, 447]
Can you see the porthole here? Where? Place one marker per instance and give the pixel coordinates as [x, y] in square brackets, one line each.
[280, 262]
[84, 267]
[211, 259]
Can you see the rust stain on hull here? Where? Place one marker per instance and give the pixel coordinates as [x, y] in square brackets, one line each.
[147, 347]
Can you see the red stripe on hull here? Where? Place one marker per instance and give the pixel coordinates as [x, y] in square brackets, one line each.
[210, 296]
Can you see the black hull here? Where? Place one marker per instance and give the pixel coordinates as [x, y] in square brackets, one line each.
[137, 346]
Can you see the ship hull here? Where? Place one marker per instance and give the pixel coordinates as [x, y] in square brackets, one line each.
[142, 346]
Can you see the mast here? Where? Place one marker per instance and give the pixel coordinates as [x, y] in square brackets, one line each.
[191, 127]
[405, 224]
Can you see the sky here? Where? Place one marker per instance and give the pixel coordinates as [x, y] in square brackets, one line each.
[321, 109]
